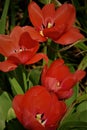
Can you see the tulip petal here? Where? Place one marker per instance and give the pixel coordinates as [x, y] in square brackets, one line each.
[70, 36]
[35, 15]
[29, 121]
[48, 13]
[65, 94]
[57, 111]
[37, 57]
[17, 106]
[65, 15]
[68, 83]
[54, 32]
[6, 45]
[7, 65]
[59, 72]
[15, 35]
[79, 74]
[35, 35]
[27, 42]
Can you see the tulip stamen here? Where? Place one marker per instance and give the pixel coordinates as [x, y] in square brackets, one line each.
[58, 84]
[49, 25]
[39, 118]
[41, 33]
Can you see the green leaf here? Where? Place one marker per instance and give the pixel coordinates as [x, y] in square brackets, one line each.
[83, 63]
[3, 17]
[5, 104]
[11, 114]
[45, 1]
[16, 88]
[82, 106]
[35, 76]
[74, 125]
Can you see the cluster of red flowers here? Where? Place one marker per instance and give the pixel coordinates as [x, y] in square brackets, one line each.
[42, 107]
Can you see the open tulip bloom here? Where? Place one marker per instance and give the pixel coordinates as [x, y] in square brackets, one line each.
[58, 79]
[38, 109]
[57, 24]
[19, 48]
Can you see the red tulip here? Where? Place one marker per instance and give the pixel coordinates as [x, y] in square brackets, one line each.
[55, 24]
[18, 48]
[58, 79]
[38, 109]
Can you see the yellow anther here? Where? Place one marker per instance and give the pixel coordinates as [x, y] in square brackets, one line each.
[58, 84]
[41, 33]
[49, 25]
[38, 116]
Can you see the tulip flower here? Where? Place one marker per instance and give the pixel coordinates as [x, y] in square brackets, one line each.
[18, 48]
[57, 24]
[58, 79]
[38, 109]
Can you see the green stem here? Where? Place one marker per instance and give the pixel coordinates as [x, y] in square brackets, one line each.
[24, 79]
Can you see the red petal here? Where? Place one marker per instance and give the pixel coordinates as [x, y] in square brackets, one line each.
[54, 32]
[37, 57]
[48, 13]
[30, 122]
[79, 74]
[43, 75]
[7, 65]
[39, 104]
[35, 35]
[17, 106]
[64, 94]
[70, 36]
[6, 45]
[27, 42]
[15, 35]
[35, 15]
[58, 70]
[56, 112]
[65, 15]
[68, 83]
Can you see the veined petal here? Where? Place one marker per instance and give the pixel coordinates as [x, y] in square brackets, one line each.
[35, 35]
[7, 65]
[48, 13]
[65, 14]
[35, 15]
[70, 36]
[37, 57]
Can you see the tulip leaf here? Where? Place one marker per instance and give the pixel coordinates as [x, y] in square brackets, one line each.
[16, 88]
[45, 1]
[11, 114]
[82, 106]
[3, 17]
[35, 76]
[74, 125]
[83, 63]
[5, 104]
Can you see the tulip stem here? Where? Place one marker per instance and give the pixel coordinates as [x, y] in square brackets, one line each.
[45, 52]
[24, 79]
